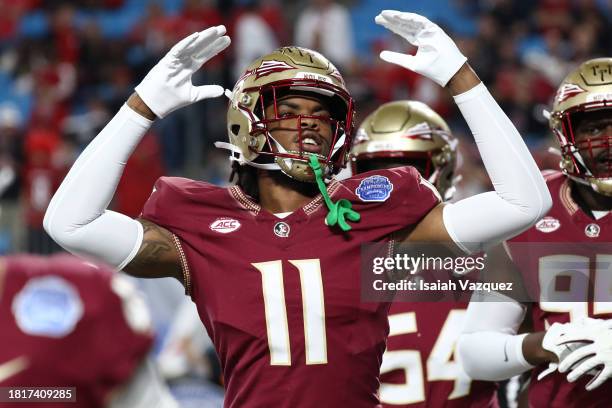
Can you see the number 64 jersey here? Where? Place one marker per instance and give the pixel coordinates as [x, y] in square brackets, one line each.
[280, 298]
[566, 263]
[419, 367]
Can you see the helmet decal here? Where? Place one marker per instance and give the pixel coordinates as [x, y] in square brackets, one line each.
[270, 67]
[567, 91]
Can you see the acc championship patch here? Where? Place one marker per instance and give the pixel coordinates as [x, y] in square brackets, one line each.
[49, 306]
[374, 188]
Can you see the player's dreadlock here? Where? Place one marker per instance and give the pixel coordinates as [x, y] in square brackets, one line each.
[246, 179]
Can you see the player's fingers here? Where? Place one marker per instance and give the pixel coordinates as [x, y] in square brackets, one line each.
[405, 18]
[582, 368]
[213, 49]
[178, 48]
[574, 357]
[206, 91]
[412, 22]
[599, 379]
[406, 61]
[575, 338]
[380, 20]
[389, 25]
[205, 39]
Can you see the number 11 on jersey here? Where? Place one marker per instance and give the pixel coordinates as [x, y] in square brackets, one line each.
[313, 309]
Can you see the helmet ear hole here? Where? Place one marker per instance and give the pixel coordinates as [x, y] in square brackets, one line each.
[235, 129]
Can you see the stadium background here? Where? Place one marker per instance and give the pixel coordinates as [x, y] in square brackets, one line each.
[67, 66]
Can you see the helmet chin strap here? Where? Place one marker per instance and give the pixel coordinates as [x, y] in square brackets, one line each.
[237, 156]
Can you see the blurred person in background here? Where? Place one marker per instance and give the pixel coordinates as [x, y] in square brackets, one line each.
[252, 37]
[419, 367]
[66, 322]
[11, 148]
[188, 361]
[11, 159]
[44, 168]
[325, 25]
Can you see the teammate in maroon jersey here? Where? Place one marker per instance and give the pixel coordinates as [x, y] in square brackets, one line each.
[419, 368]
[272, 263]
[70, 323]
[564, 263]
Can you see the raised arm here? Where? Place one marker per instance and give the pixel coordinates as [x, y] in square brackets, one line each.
[520, 197]
[77, 217]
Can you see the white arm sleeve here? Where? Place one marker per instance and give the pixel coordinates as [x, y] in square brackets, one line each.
[520, 197]
[77, 218]
[488, 347]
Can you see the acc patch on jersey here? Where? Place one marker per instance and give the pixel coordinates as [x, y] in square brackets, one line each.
[48, 306]
[548, 224]
[374, 188]
[225, 225]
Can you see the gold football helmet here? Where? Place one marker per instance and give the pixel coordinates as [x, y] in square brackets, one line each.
[286, 71]
[586, 89]
[411, 133]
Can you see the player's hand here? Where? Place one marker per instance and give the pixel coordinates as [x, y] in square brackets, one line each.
[550, 343]
[168, 85]
[594, 358]
[437, 57]
[555, 341]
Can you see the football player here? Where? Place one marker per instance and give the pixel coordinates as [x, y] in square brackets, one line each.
[563, 262]
[70, 323]
[272, 262]
[419, 368]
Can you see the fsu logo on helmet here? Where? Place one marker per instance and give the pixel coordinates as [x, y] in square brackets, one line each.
[568, 91]
[266, 68]
[270, 67]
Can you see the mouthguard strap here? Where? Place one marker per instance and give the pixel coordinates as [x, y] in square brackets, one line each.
[338, 212]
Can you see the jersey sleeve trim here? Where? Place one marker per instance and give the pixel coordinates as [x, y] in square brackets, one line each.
[243, 200]
[565, 195]
[184, 265]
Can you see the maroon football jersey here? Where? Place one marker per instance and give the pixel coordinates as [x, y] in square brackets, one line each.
[280, 298]
[65, 322]
[569, 270]
[419, 368]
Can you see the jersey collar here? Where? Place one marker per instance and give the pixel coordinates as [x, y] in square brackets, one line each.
[254, 208]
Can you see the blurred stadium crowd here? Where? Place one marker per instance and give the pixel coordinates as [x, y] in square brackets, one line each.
[66, 67]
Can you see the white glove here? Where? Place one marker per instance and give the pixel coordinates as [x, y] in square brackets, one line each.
[553, 342]
[594, 357]
[437, 57]
[168, 85]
